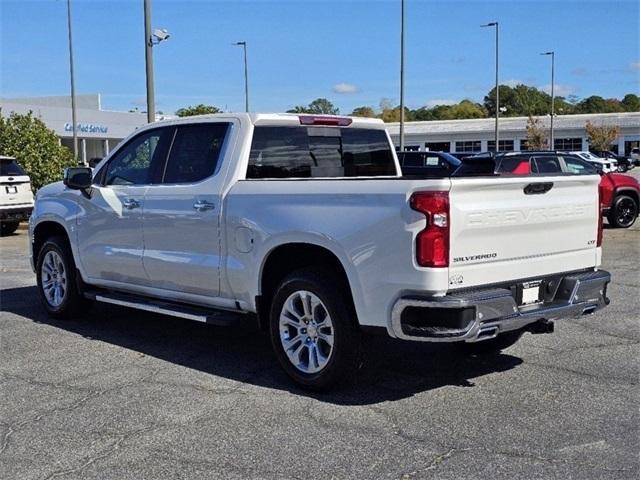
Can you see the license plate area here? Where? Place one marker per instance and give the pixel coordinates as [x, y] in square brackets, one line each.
[528, 293]
[11, 189]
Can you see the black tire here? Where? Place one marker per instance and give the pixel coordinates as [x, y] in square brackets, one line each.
[72, 301]
[622, 167]
[623, 212]
[492, 346]
[7, 228]
[344, 357]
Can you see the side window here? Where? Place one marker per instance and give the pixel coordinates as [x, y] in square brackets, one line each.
[515, 165]
[195, 152]
[547, 165]
[578, 166]
[138, 161]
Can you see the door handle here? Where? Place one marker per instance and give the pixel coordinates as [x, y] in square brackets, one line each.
[202, 205]
[130, 204]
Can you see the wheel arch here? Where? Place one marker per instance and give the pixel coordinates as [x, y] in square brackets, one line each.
[633, 193]
[44, 230]
[288, 257]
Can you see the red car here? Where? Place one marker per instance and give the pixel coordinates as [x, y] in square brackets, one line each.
[619, 198]
[619, 194]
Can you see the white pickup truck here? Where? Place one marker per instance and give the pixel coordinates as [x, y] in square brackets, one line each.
[305, 223]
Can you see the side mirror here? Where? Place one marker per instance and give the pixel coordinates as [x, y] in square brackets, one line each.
[78, 178]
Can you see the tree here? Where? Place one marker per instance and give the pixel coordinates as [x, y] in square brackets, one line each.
[36, 148]
[536, 134]
[601, 136]
[631, 102]
[363, 112]
[464, 109]
[299, 109]
[592, 104]
[323, 106]
[320, 106]
[200, 109]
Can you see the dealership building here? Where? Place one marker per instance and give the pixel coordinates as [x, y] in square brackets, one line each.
[98, 130]
[478, 135]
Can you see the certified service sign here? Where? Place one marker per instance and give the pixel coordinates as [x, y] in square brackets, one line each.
[86, 128]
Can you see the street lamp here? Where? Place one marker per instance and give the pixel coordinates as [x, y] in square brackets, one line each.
[495, 24]
[149, 41]
[553, 64]
[402, 75]
[246, 76]
[74, 125]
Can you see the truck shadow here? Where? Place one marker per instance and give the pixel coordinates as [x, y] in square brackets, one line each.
[393, 369]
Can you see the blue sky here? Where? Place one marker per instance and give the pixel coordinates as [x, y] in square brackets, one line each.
[347, 51]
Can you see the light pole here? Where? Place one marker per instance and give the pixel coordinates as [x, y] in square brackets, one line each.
[74, 124]
[553, 110]
[402, 75]
[149, 41]
[246, 76]
[495, 24]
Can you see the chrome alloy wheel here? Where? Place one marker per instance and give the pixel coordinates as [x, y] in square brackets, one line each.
[306, 331]
[54, 278]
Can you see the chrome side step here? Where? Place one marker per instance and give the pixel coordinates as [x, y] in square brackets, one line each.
[214, 317]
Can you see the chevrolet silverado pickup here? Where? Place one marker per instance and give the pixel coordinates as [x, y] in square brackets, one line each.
[306, 224]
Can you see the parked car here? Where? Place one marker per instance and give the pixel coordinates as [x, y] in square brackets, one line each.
[427, 164]
[620, 199]
[305, 223]
[619, 193]
[606, 164]
[624, 163]
[16, 197]
[635, 156]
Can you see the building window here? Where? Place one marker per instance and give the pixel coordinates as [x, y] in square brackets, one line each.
[437, 146]
[524, 145]
[412, 148]
[570, 144]
[505, 145]
[468, 146]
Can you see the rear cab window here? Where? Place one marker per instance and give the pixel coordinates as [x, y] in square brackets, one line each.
[319, 152]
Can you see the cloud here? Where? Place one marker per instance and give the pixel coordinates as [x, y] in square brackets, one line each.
[511, 83]
[560, 90]
[345, 88]
[440, 101]
[634, 66]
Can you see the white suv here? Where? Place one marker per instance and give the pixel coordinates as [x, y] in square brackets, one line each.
[16, 198]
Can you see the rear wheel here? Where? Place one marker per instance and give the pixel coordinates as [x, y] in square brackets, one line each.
[7, 228]
[492, 346]
[56, 276]
[624, 212]
[314, 331]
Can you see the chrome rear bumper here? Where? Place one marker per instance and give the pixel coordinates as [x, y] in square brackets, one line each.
[482, 314]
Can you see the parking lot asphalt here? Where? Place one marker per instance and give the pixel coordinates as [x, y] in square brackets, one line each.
[120, 394]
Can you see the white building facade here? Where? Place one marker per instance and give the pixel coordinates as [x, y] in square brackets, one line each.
[98, 130]
[478, 135]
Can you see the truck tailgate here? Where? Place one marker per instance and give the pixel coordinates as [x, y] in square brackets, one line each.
[507, 228]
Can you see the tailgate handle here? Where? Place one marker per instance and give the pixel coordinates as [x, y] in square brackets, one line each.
[538, 188]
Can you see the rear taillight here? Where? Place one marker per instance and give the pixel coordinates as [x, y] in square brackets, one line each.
[599, 210]
[432, 243]
[324, 120]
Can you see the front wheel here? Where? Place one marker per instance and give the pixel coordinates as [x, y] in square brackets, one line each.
[622, 168]
[314, 330]
[492, 346]
[56, 276]
[624, 212]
